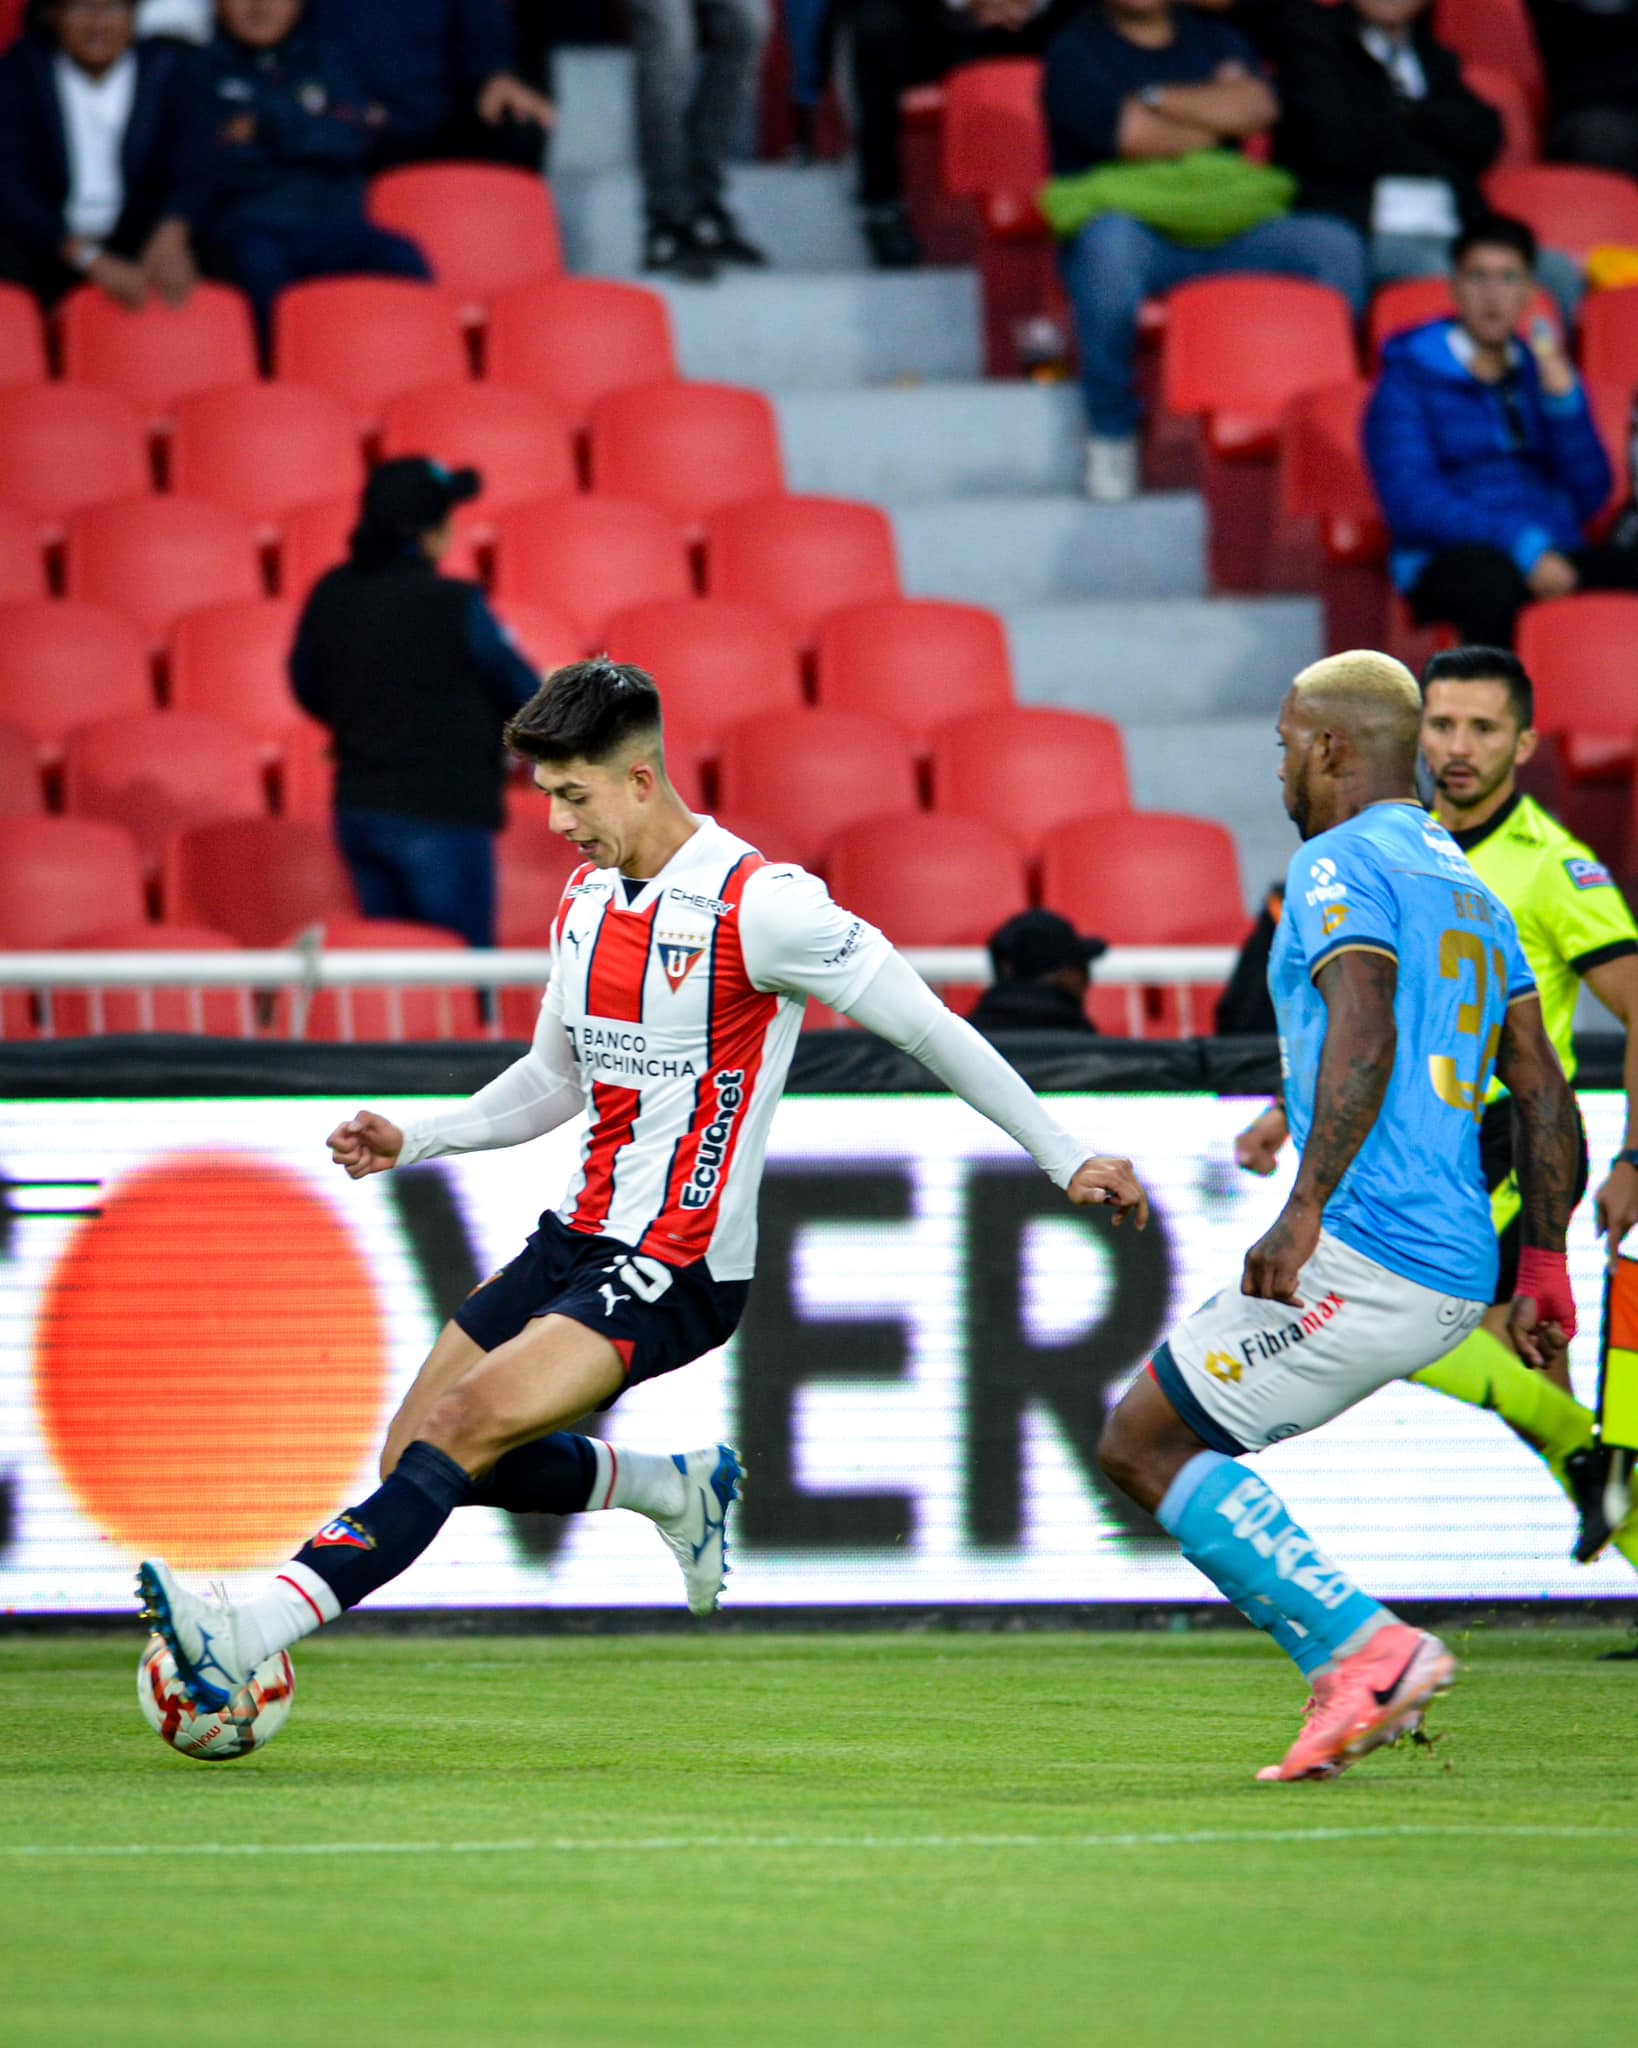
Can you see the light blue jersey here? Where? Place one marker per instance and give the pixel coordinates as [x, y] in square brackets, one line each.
[1392, 880]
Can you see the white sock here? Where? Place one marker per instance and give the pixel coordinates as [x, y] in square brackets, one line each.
[644, 1480]
[292, 1606]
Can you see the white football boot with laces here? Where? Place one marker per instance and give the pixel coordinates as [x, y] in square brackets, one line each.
[200, 1634]
[697, 1535]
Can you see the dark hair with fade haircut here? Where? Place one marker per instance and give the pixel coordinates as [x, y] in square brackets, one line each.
[586, 711]
[1486, 665]
[1495, 231]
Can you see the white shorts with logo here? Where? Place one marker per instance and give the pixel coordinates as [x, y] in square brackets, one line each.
[1259, 1371]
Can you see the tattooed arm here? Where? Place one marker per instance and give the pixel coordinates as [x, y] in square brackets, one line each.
[1356, 1065]
[1546, 1153]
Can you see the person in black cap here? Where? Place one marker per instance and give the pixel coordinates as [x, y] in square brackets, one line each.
[1041, 976]
[415, 677]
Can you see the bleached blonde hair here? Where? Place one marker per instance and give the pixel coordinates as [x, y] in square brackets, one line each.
[1371, 697]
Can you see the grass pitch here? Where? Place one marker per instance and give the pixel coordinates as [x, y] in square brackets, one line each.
[801, 1842]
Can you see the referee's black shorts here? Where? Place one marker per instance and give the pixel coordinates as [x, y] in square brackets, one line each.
[1496, 1157]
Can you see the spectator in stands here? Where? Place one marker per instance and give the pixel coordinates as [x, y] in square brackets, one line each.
[445, 70]
[895, 44]
[1484, 453]
[1139, 81]
[102, 164]
[1245, 1009]
[699, 71]
[1589, 50]
[1041, 968]
[415, 679]
[293, 132]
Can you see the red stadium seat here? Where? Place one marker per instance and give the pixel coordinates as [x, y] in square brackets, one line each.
[1497, 35]
[518, 441]
[589, 558]
[817, 771]
[22, 562]
[314, 538]
[1414, 301]
[574, 338]
[22, 794]
[800, 557]
[391, 1013]
[1510, 96]
[1323, 474]
[60, 877]
[928, 880]
[1238, 349]
[162, 353]
[264, 449]
[715, 662]
[1612, 415]
[915, 661]
[63, 663]
[67, 445]
[993, 143]
[1609, 338]
[365, 339]
[22, 338]
[1578, 651]
[213, 1012]
[258, 878]
[545, 638]
[307, 773]
[688, 448]
[230, 661]
[1569, 207]
[1027, 769]
[532, 864]
[772, 840]
[481, 227]
[159, 557]
[158, 772]
[1152, 879]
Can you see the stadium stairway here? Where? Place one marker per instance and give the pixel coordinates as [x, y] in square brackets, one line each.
[878, 383]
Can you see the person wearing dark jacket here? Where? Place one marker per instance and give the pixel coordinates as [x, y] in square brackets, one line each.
[415, 678]
[1041, 976]
[1589, 50]
[292, 134]
[1485, 456]
[1245, 1009]
[102, 165]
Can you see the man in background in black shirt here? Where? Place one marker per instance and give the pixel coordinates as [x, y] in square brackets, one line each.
[415, 677]
[1041, 976]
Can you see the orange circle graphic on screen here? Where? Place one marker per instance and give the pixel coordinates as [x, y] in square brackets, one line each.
[211, 1361]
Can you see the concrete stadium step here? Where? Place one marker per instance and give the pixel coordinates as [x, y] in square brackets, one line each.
[803, 216]
[1130, 658]
[937, 440]
[596, 128]
[815, 332]
[1222, 768]
[1019, 551]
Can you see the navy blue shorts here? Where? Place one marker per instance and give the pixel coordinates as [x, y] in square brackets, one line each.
[656, 1316]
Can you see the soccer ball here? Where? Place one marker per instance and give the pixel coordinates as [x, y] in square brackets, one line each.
[250, 1720]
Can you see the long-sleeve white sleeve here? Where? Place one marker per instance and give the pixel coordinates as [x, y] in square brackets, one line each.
[899, 1006]
[533, 1096]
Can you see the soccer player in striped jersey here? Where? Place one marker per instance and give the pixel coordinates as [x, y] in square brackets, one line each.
[682, 964]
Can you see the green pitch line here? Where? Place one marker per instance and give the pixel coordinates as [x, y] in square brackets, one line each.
[800, 1842]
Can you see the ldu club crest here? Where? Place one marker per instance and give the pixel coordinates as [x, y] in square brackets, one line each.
[678, 958]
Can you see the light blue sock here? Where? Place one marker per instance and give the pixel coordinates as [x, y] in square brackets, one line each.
[1235, 1529]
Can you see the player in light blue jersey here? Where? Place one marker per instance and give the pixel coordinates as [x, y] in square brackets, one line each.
[1399, 985]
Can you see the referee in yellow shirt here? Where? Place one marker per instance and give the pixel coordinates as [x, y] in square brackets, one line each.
[1477, 731]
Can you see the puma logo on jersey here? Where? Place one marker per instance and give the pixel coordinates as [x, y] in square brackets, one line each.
[612, 1298]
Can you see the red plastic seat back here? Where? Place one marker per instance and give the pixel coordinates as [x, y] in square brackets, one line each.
[365, 339]
[1510, 96]
[1578, 651]
[994, 133]
[1244, 346]
[22, 339]
[1569, 207]
[62, 663]
[1026, 769]
[481, 227]
[158, 772]
[157, 558]
[532, 866]
[1149, 879]
[816, 771]
[574, 338]
[213, 1012]
[801, 557]
[22, 794]
[926, 879]
[22, 562]
[1495, 34]
[519, 442]
[258, 878]
[392, 1013]
[264, 449]
[67, 445]
[1609, 338]
[545, 639]
[161, 353]
[231, 660]
[60, 877]
[715, 662]
[589, 558]
[914, 660]
[688, 448]
[1322, 459]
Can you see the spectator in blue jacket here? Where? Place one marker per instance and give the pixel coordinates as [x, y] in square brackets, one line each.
[1484, 453]
[102, 163]
[293, 132]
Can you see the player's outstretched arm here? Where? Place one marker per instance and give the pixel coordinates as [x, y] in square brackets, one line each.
[366, 1143]
[1356, 1065]
[1546, 1142]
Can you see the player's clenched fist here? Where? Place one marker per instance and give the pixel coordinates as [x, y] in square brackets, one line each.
[366, 1143]
[1112, 1184]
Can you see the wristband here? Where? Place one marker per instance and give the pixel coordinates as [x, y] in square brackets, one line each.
[1627, 1156]
[1544, 1278]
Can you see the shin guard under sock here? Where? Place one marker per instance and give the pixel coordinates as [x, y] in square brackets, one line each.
[553, 1476]
[383, 1536]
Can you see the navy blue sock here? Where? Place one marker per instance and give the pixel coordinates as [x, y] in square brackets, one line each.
[372, 1543]
[553, 1476]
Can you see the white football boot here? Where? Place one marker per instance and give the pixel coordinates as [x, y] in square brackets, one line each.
[199, 1633]
[697, 1536]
